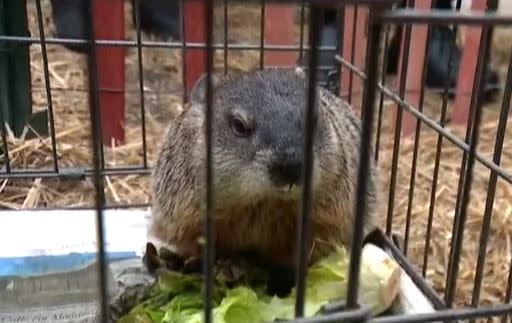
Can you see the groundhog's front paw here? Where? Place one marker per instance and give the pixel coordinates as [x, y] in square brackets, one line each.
[172, 260]
[153, 261]
[193, 265]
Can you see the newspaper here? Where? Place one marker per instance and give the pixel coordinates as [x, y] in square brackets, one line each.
[48, 266]
[49, 272]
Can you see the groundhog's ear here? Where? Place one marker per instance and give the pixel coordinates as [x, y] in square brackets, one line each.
[300, 71]
[198, 92]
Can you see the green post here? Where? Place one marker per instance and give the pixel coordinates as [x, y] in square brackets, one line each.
[492, 5]
[15, 80]
[4, 82]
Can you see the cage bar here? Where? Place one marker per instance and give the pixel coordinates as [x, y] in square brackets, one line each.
[303, 226]
[419, 77]
[354, 43]
[433, 189]
[301, 30]
[446, 315]
[184, 76]
[508, 293]
[353, 49]
[487, 218]
[96, 146]
[262, 33]
[415, 62]
[470, 18]
[408, 101]
[460, 215]
[368, 107]
[47, 84]
[381, 96]
[5, 146]
[226, 23]
[340, 26]
[136, 8]
[398, 121]
[468, 63]
[442, 120]
[209, 222]
[504, 174]
[109, 24]
[462, 176]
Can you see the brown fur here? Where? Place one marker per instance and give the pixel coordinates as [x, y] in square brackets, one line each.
[268, 225]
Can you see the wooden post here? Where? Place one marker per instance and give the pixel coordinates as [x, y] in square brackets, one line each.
[415, 63]
[109, 25]
[195, 58]
[466, 75]
[358, 43]
[279, 24]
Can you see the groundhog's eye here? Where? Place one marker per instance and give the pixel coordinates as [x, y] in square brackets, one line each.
[239, 127]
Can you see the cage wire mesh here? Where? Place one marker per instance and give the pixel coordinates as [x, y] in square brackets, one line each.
[448, 188]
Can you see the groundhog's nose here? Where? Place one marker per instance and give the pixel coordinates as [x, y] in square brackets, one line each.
[286, 171]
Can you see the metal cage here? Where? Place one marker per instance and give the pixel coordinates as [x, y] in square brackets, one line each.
[381, 14]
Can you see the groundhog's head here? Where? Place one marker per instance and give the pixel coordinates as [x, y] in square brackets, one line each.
[258, 130]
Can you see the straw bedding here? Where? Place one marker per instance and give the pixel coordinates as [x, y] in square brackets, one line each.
[162, 74]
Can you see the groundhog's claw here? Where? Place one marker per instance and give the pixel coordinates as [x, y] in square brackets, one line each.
[166, 259]
[172, 260]
[150, 259]
[193, 265]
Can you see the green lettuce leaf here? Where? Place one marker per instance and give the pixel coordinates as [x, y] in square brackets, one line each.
[178, 298]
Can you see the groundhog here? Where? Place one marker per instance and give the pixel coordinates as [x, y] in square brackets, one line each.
[258, 128]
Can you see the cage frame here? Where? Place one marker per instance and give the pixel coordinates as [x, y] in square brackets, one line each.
[379, 15]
